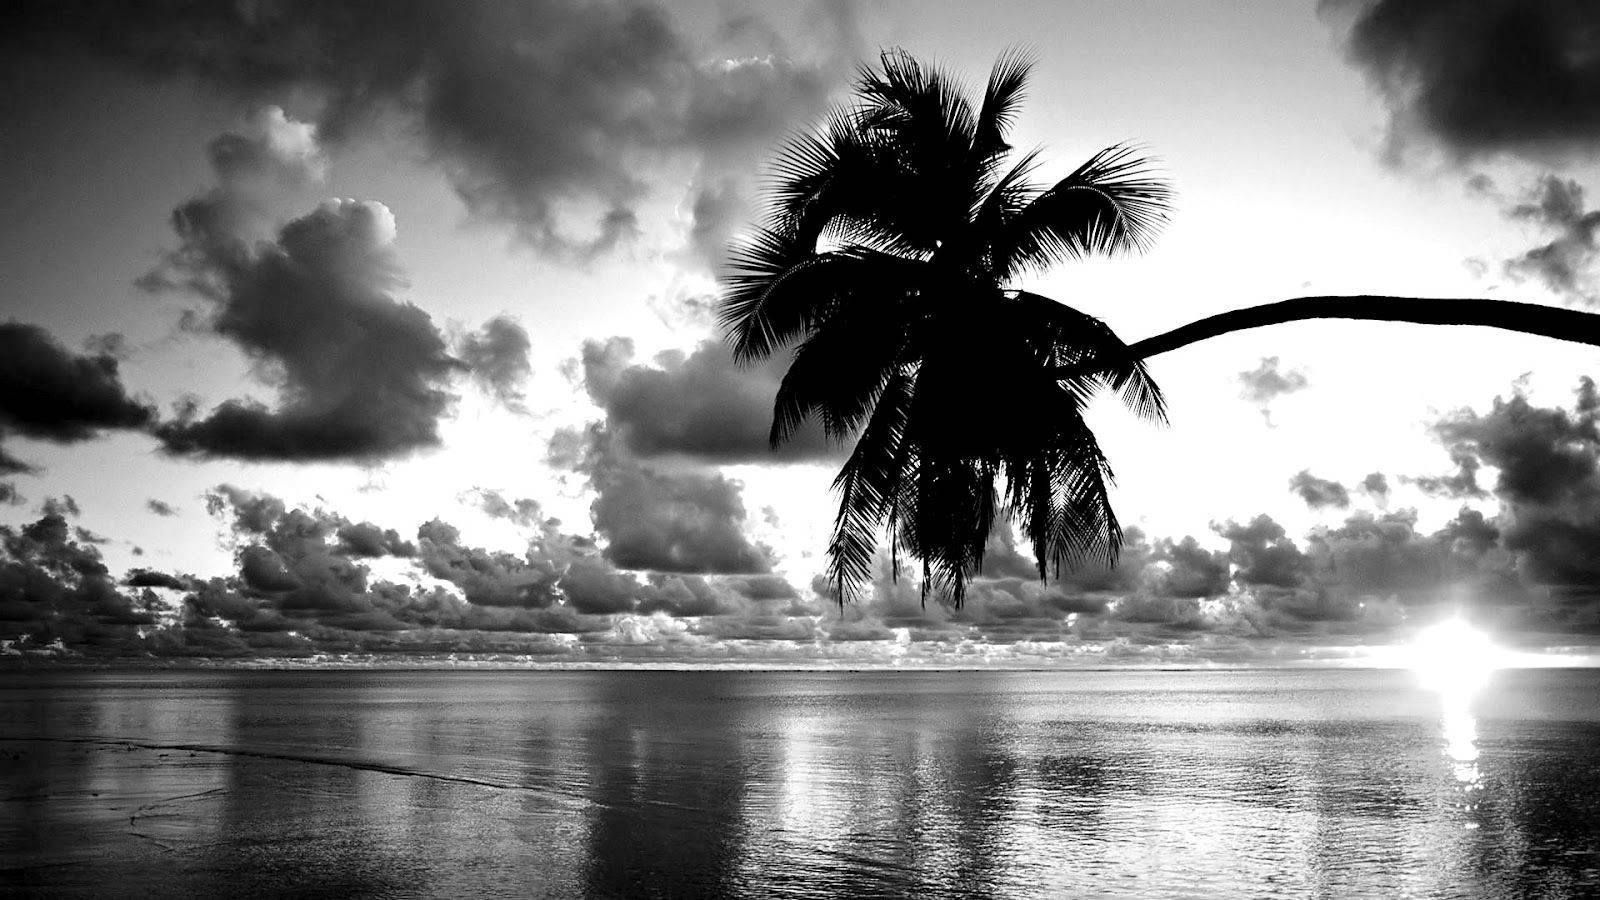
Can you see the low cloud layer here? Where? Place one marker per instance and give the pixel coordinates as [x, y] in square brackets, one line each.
[669, 575]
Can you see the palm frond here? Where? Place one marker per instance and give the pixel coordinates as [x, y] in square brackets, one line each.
[1084, 342]
[867, 485]
[1002, 97]
[838, 372]
[776, 293]
[1113, 203]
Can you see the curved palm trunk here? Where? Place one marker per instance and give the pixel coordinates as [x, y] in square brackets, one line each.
[1528, 318]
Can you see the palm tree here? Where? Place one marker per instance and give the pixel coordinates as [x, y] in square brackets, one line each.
[893, 239]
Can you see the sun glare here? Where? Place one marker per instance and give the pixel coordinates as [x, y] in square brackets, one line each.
[1453, 657]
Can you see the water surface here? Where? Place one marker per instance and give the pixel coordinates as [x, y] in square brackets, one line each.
[796, 784]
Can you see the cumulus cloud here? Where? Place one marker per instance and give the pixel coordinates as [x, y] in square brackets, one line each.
[1548, 482]
[50, 393]
[539, 113]
[1319, 493]
[700, 406]
[1376, 486]
[1480, 78]
[1266, 383]
[666, 521]
[497, 358]
[360, 375]
[1264, 553]
[53, 587]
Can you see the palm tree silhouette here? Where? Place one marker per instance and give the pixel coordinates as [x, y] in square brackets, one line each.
[894, 234]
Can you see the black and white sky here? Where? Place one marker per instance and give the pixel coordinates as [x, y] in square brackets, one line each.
[347, 327]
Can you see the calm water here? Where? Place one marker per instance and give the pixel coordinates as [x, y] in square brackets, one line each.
[1126, 784]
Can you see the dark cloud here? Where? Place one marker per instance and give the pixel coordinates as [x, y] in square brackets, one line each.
[1319, 493]
[51, 393]
[1265, 383]
[1376, 486]
[497, 358]
[667, 521]
[699, 406]
[540, 113]
[359, 374]
[143, 578]
[487, 578]
[53, 588]
[160, 507]
[1189, 570]
[253, 513]
[364, 539]
[1264, 553]
[9, 495]
[1548, 482]
[1482, 78]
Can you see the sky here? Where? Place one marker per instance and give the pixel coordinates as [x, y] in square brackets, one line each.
[341, 330]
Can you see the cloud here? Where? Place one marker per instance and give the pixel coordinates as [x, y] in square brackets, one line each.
[523, 511]
[360, 375]
[1265, 383]
[364, 539]
[544, 115]
[1376, 486]
[1481, 78]
[55, 588]
[486, 578]
[1548, 482]
[160, 507]
[700, 406]
[1319, 493]
[1264, 553]
[10, 465]
[667, 521]
[253, 513]
[304, 583]
[50, 393]
[496, 356]
[141, 578]
[1564, 265]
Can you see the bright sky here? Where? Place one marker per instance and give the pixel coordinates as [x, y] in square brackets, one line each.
[1279, 142]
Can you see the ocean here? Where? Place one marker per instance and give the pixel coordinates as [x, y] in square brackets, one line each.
[1137, 784]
